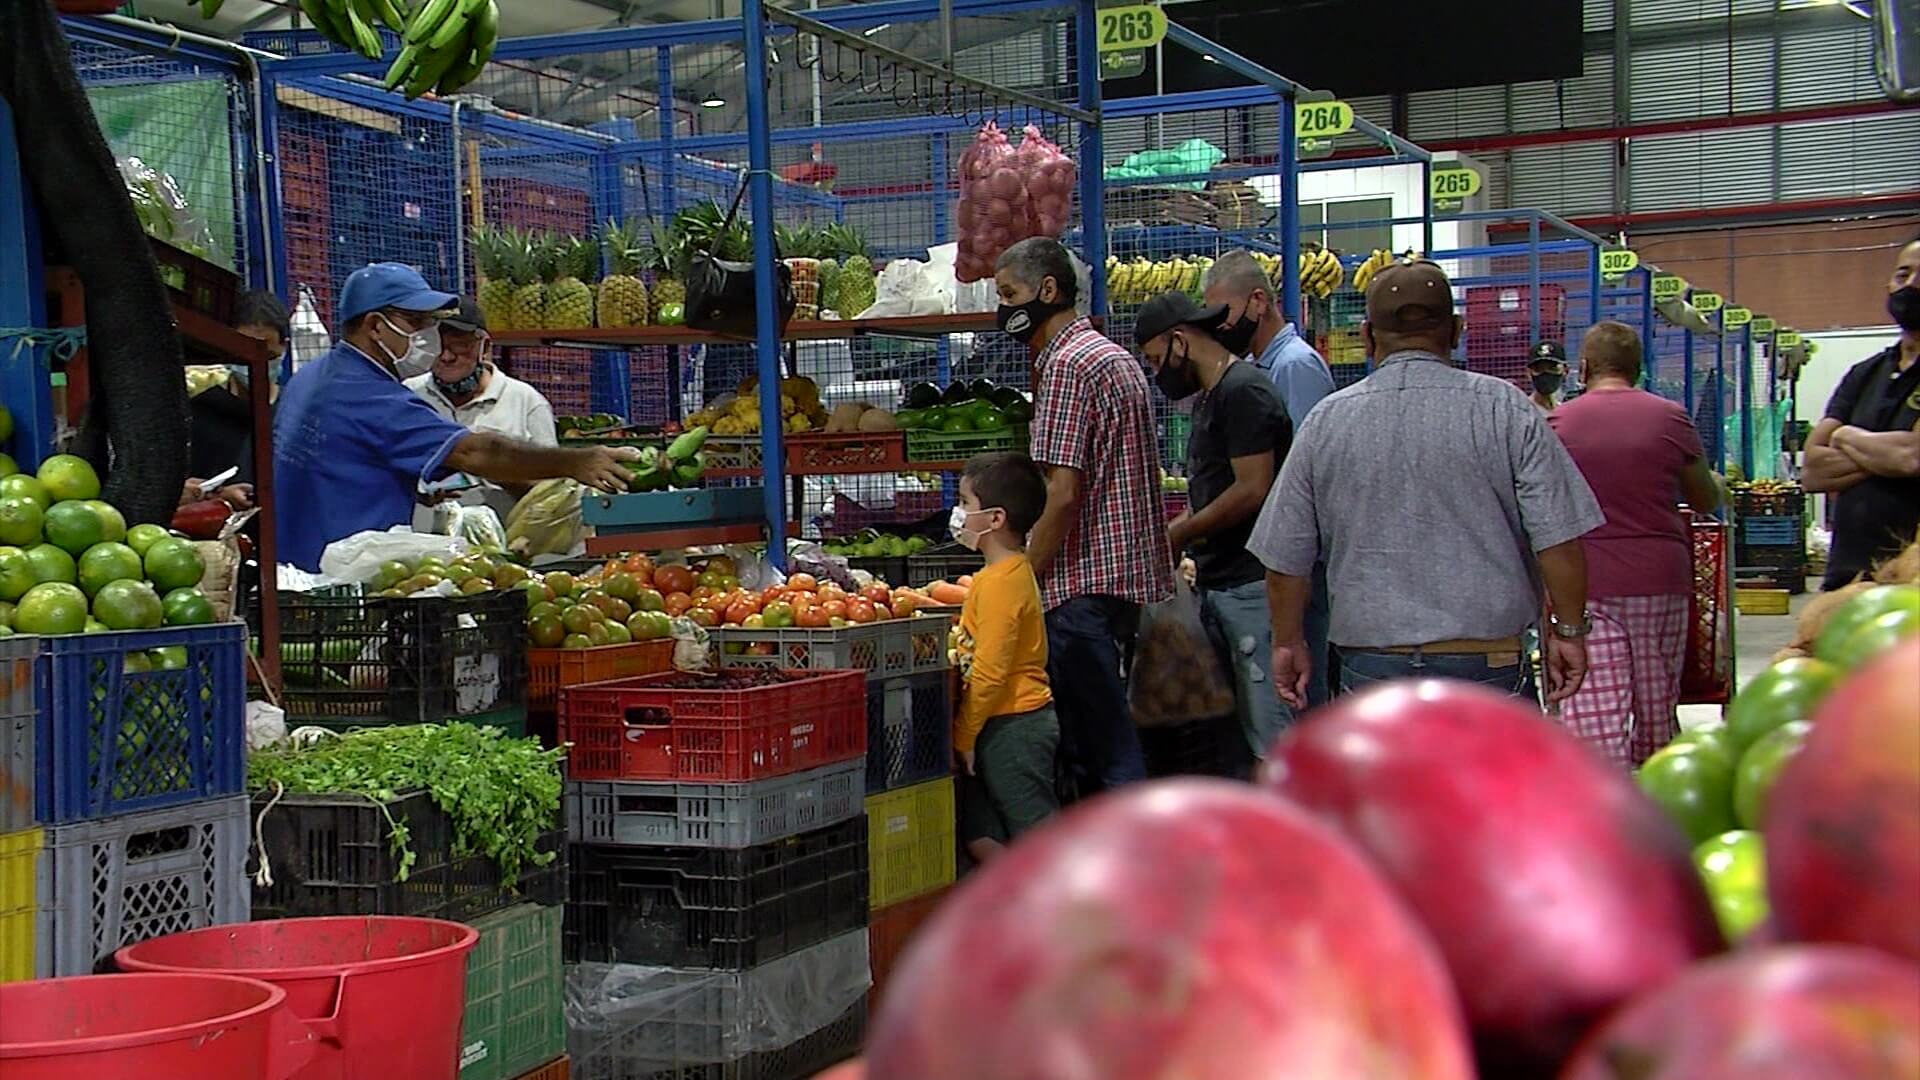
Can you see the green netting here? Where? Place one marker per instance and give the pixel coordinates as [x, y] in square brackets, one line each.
[179, 128]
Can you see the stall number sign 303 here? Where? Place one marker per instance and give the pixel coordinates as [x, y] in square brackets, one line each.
[1139, 27]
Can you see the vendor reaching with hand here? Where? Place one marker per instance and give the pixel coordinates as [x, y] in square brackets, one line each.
[352, 446]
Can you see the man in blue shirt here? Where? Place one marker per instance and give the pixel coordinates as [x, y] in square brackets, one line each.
[352, 445]
[1256, 328]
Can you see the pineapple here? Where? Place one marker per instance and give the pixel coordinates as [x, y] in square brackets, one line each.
[623, 296]
[830, 285]
[496, 288]
[573, 263]
[668, 305]
[527, 309]
[857, 286]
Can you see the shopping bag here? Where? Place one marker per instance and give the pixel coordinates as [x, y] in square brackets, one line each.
[1177, 675]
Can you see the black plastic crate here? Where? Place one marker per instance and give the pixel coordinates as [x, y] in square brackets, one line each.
[909, 731]
[715, 908]
[1791, 503]
[332, 855]
[351, 660]
[815, 1053]
[947, 563]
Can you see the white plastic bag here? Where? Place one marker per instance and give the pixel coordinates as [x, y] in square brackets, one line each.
[310, 340]
[906, 287]
[691, 649]
[357, 558]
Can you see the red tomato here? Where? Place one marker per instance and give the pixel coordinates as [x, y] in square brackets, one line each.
[904, 605]
[678, 604]
[812, 618]
[878, 593]
[834, 609]
[702, 617]
[803, 583]
[740, 611]
[830, 591]
[674, 579]
[860, 611]
[701, 592]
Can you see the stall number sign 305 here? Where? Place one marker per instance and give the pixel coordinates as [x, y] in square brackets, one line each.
[1138, 27]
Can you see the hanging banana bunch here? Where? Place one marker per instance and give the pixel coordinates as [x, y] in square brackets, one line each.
[446, 42]
[1376, 262]
[1320, 272]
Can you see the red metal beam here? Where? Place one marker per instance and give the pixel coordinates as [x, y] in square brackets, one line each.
[1485, 143]
[1855, 206]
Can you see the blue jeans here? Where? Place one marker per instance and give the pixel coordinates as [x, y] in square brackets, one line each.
[1239, 616]
[1319, 615]
[1360, 669]
[1089, 638]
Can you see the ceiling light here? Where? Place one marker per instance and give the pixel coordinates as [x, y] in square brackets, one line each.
[1208, 57]
[714, 101]
[872, 30]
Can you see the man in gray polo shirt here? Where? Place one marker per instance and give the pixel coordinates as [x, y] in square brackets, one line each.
[1442, 503]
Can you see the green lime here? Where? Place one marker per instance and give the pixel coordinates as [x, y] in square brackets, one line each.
[74, 527]
[51, 564]
[1787, 691]
[20, 521]
[1694, 785]
[69, 477]
[168, 658]
[1760, 766]
[187, 607]
[113, 526]
[1876, 636]
[1852, 615]
[128, 605]
[51, 608]
[23, 486]
[142, 537]
[174, 564]
[105, 562]
[16, 573]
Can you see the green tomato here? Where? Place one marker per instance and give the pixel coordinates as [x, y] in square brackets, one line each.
[1876, 636]
[1857, 612]
[1694, 785]
[1712, 737]
[1787, 691]
[1734, 868]
[1760, 766]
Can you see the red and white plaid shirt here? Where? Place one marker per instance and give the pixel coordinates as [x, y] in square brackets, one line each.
[1092, 414]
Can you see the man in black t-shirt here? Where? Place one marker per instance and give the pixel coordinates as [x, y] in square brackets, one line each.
[1240, 435]
[1866, 452]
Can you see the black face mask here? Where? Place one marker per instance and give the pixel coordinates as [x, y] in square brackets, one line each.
[1022, 321]
[1904, 305]
[1177, 382]
[1547, 383]
[1237, 336]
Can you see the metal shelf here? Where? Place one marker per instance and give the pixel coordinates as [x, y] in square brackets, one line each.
[797, 330]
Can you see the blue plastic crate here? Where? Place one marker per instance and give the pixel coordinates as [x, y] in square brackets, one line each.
[1771, 531]
[109, 740]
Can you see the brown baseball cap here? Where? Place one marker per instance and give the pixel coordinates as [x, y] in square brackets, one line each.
[1409, 296]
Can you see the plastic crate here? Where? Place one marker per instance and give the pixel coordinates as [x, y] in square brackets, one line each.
[18, 717]
[910, 842]
[633, 1022]
[122, 880]
[946, 446]
[112, 741]
[909, 731]
[884, 650]
[332, 855]
[1760, 601]
[858, 452]
[671, 813]
[514, 1018]
[25, 904]
[1706, 676]
[928, 568]
[713, 907]
[1790, 503]
[357, 661]
[201, 285]
[889, 933]
[888, 568]
[732, 453]
[908, 509]
[1772, 531]
[734, 725]
[550, 669]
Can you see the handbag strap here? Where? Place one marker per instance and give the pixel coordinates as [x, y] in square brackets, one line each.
[737, 196]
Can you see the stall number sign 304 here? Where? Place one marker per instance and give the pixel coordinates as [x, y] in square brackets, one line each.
[1139, 27]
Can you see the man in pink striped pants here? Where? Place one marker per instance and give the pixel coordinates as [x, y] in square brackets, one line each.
[1641, 455]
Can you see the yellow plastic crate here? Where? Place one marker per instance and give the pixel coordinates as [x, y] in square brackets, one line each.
[909, 842]
[20, 902]
[1760, 601]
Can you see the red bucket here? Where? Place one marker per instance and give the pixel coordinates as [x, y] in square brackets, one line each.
[149, 1027]
[384, 993]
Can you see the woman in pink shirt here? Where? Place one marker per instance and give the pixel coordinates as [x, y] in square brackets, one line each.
[1642, 457]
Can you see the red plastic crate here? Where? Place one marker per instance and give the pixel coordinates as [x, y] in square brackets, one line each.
[889, 931]
[1707, 675]
[733, 725]
[860, 452]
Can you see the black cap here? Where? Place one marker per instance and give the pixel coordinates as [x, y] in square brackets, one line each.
[467, 317]
[1547, 352]
[1171, 309]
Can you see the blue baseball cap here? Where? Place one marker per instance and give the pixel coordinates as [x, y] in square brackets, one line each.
[389, 285]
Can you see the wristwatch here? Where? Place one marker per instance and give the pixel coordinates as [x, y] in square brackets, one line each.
[1571, 631]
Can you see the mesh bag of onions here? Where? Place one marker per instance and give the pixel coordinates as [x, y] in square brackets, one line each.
[1049, 175]
[993, 203]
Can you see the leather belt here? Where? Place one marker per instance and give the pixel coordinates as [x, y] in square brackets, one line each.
[1456, 647]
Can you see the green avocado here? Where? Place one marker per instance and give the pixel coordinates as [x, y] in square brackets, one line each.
[957, 422]
[988, 419]
[1018, 412]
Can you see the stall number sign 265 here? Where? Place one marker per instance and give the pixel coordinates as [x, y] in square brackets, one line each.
[1138, 27]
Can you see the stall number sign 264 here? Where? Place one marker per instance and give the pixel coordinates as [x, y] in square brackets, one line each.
[1138, 27]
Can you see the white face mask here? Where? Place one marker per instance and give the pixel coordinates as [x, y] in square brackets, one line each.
[957, 525]
[423, 350]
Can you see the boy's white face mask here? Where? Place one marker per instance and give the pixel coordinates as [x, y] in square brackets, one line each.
[957, 525]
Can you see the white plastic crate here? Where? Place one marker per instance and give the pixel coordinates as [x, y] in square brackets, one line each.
[125, 879]
[669, 813]
[884, 650]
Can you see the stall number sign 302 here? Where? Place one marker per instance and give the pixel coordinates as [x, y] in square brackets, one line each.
[1139, 27]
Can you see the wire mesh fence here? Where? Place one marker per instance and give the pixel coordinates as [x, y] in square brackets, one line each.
[191, 124]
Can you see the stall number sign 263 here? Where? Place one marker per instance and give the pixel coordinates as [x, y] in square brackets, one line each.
[1138, 27]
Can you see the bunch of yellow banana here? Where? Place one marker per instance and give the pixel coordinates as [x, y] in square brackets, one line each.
[1320, 272]
[1376, 262]
[448, 42]
[1138, 280]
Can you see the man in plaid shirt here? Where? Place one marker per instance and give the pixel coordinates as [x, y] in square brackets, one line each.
[1101, 546]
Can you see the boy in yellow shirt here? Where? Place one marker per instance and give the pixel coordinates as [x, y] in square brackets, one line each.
[1005, 733]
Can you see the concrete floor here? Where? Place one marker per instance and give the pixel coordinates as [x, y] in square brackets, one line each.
[1755, 639]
